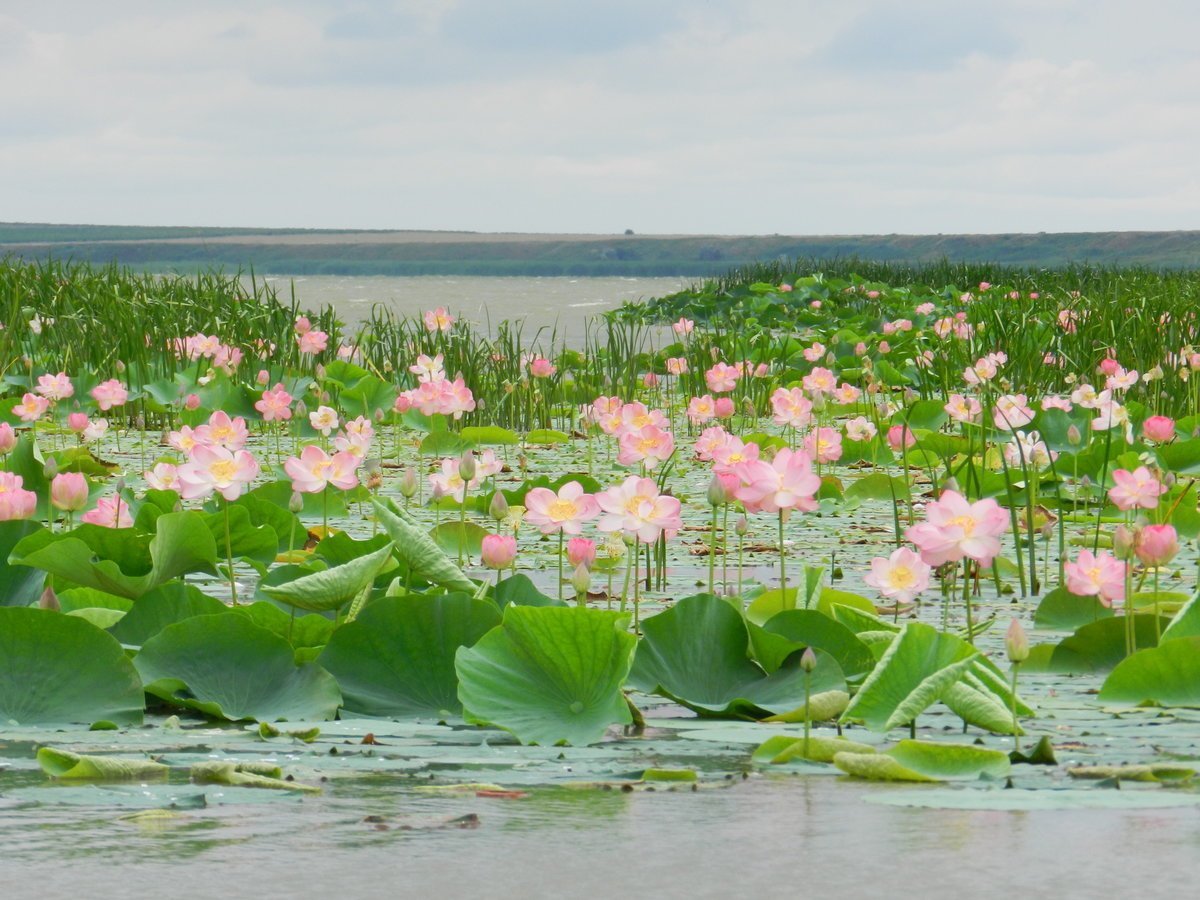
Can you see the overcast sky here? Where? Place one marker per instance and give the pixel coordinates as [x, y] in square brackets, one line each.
[665, 116]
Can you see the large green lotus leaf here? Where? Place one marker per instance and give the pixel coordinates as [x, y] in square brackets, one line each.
[795, 629]
[68, 766]
[770, 603]
[697, 653]
[246, 540]
[1099, 646]
[332, 588]
[163, 606]
[227, 667]
[549, 674]
[1060, 610]
[279, 493]
[459, 537]
[983, 697]
[488, 434]
[1168, 675]
[917, 668]
[122, 561]
[1185, 623]
[57, 669]
[925, 761]
[26, 460]
[19, 585]
[312, 630]
[289, 530]
[520, 590]
[784, 748]
[90, 598]
[397, 657]
[418, 551]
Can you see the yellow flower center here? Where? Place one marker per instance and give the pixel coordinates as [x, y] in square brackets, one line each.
[223, 470]
[562, 510]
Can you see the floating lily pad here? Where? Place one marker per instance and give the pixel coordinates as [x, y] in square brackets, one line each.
[68, 766]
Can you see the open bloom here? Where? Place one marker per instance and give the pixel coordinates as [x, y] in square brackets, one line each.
[314, 469]
[786, 482]
[31, 408]
[824, 445]
[1138, 488]
[109, 394]
[222, 431]
[275, 405]
[15, 501]
[110, 512]
[313, 342]
[540, 367]
[1096, 575]
[438, 320]
[219, 469]
[55, 387]
[638, 509]
[163, 477]
[956, 528]
[860, 428]
[648, 445]
[565, 511]
[323, 419]
[722, 377]
[449, 482]
[791, 407]
[899, 577]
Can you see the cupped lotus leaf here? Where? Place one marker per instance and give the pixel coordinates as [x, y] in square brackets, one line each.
[246, 775]
[122, 561]
[697, 653]
[1167, 675]
[1186, 622]
[397, 657]
[820, 707]
[442, 443]
[90, 598]
[478, 435]
[520, 590]
[925, 761]
[547, 436]
[418, 551]
[68, 766]
[464, 538]
[1099, 646]
[878, 486]
[19, 585]
[100, 616]
[332, 588]
[795, 629]
[163, 606]
[57, 669]
[784, 748]
[549, 674]
[1060, 610]
[227, 667]
[917, 668]
[770, 603]
[310, 631]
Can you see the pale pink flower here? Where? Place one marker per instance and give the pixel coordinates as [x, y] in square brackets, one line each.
[183, 440]
[69, 491]
[722, 378]
[216, 469]
[8, 438]
[1011, 411]
[428, 368]
[899, 577]
[581, 552]
[313, 342]
[635, 416]
[15, 501]
[1159, 429]
[732, 452]
[701, 410]
[438, 320]
[1096, 575]
[900, 437]
[1051, 401]
[963, 409]
[814, 352]
[791, 407]
[819, 381]
[724, 407]
[275, 405]
[77, 422]
[108, 394]
[708, 441]
[1139, 488]
[956, 528]
[449, 482]
[487, 464]
[163, 477]
[222, 431]
[824, 445]
[55, 387]
[314, 469]
[302, 326]
[323, 419]
[110, 512]
[31, 408]
[565, 511]
[924, 309]
[677, 365]
[1028, 450]
[540, 367]
[648, 445]
[847, 393]
[498, 550]
[860, 428]
[637, 508]
[787, 482]
[94, 431]
[1156, 545]
[683, 326]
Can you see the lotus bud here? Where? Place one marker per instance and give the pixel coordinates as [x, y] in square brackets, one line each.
[1159, 429]
[139, 422]
[466, 465]
[808, 659]
[1156, 545]
[301, 410]
[741, 526]
[951, 484]
[498, 507]
[581, 552]
[724, 407]
[1123, 541]
[8, 438]
[68, 491]
[716, 492]
[120, 366]
[50, 467]
[378, 416]
[499, 550]
[818, 403]
[263, 378]
[49, 600]
[408, 484]
[581, 580]
[191, 401]
[296, 503]
[1074, 438]
[1016, 643]
[319, 371]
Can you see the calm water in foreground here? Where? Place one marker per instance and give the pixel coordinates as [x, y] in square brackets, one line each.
[770, 835]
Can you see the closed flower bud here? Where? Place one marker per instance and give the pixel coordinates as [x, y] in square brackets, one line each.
[466, 465]
[808, 659]
[408, 484]
[741, 526]
[498, 508]
[1156, 545]
[581, 552]
[69, 491]
[499, 550]
[296, 502]
[581, 580]
[1123, 541]
[1016, 643]
[49, 600]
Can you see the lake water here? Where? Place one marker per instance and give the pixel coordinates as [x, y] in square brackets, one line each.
[562, 303]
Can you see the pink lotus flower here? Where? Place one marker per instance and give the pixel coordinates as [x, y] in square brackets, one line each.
[786, 482]
[302, 326]
[191, 401]
[323, 419]
[677, 365]
[31, 408]
[899, 577]
[683, 326]
[1156, 545]
[15, 501]
[219, 469]
[1159, 429]
[724, 407]
[275, 405]
[956, 528]
[499, 550]
[163, 477]
[722, 377]
[847, 394]
[860, 428]
[428, 368]
[701, 410]
[222, 431]
[94, 431]
[314, 469]
[732, 452]
[963, 409]
[648, 445]
[438, 320]
[183, 440]
[541, 367]
[1096, 575]
[636, 508]
[791, 407]
[581, 552]
[449, 482]
[108, 394]
[110, 512]
[563, 512]
[313, 342]
[899, 437]
[819, 381]
[824, 445]
[708, 442]
[1011, 411]
[1138, 488]
[55, 387]
[8, 438]
[69, 492]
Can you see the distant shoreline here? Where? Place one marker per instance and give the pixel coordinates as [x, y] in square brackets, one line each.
[350, 252]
